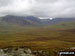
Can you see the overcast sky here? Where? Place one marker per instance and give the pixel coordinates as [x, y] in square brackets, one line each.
[39, 8]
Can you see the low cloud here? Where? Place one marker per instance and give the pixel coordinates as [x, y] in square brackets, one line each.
[38, 8]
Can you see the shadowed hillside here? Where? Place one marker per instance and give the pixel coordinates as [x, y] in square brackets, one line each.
[21, 21]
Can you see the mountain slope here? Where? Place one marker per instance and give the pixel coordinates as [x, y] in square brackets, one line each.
[33, 21]
[56, 20]
[52, 36]
[60, 20]
[63, 25]
[20, 20]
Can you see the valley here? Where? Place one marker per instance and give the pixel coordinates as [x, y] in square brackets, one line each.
[46, 37]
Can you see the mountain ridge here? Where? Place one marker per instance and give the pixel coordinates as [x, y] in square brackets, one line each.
[33, 21]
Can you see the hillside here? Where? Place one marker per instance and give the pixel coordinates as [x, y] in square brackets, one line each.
[57, 36]
[23, 31]
[21, 21]
[63, 25]
[32, 21]
[56, 21]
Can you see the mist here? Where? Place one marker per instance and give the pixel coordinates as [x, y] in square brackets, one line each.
[38, 8]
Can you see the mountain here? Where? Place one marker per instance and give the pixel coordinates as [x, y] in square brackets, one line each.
[61, 20]
[56, 21]
[45, 21]
[32, 21]
[20, 20]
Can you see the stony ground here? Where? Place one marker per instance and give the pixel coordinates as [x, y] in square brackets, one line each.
[22, 52]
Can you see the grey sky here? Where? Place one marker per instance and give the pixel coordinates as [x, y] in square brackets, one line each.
[39, 8]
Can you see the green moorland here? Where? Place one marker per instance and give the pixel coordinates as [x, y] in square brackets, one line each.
[58, 36]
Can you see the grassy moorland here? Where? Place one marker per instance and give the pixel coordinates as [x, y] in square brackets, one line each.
[49, 37]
